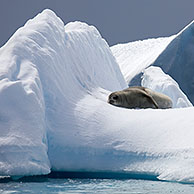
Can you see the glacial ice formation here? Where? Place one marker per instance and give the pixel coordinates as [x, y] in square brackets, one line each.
[54, 114]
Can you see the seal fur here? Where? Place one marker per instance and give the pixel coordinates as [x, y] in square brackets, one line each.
[139, 97]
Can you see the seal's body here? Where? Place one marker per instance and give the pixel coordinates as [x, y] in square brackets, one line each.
[139, 97]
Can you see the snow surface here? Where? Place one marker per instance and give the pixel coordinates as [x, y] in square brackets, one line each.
[134, 57]
[55, 81]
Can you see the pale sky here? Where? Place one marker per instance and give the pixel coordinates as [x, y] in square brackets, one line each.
[118, 21]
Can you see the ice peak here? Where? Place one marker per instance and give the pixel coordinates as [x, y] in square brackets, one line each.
[46, 18]
[188, 27]
[46, 14]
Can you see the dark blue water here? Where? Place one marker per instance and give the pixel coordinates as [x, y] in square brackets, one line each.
[108, 186]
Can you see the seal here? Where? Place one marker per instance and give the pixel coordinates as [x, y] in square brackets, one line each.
[139, 97]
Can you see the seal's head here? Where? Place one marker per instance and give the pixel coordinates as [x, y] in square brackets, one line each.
[114, 99]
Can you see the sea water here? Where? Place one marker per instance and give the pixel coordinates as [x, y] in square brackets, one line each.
[108, 186]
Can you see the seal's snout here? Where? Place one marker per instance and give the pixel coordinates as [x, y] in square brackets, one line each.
[110, 101]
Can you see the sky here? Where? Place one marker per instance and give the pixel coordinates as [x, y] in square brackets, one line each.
[118, 21]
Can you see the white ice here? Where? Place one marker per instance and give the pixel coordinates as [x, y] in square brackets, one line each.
[54, 114]
[134, 57]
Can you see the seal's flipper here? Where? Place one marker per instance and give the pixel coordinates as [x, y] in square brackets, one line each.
[150, 99]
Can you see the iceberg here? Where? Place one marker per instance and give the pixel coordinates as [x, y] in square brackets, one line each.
[55, 81]
[173, 54]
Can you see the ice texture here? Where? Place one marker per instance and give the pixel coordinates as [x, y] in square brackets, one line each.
[134, 57]
[46, 69]
[55, 82]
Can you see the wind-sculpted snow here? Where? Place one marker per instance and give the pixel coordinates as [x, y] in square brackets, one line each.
[46, 69]
[55, 81]
[134, 57]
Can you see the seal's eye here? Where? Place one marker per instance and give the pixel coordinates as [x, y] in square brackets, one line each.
[115, 97]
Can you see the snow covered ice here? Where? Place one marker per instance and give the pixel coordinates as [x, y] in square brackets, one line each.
[133, 57]
[46, 69]
[55, 81]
